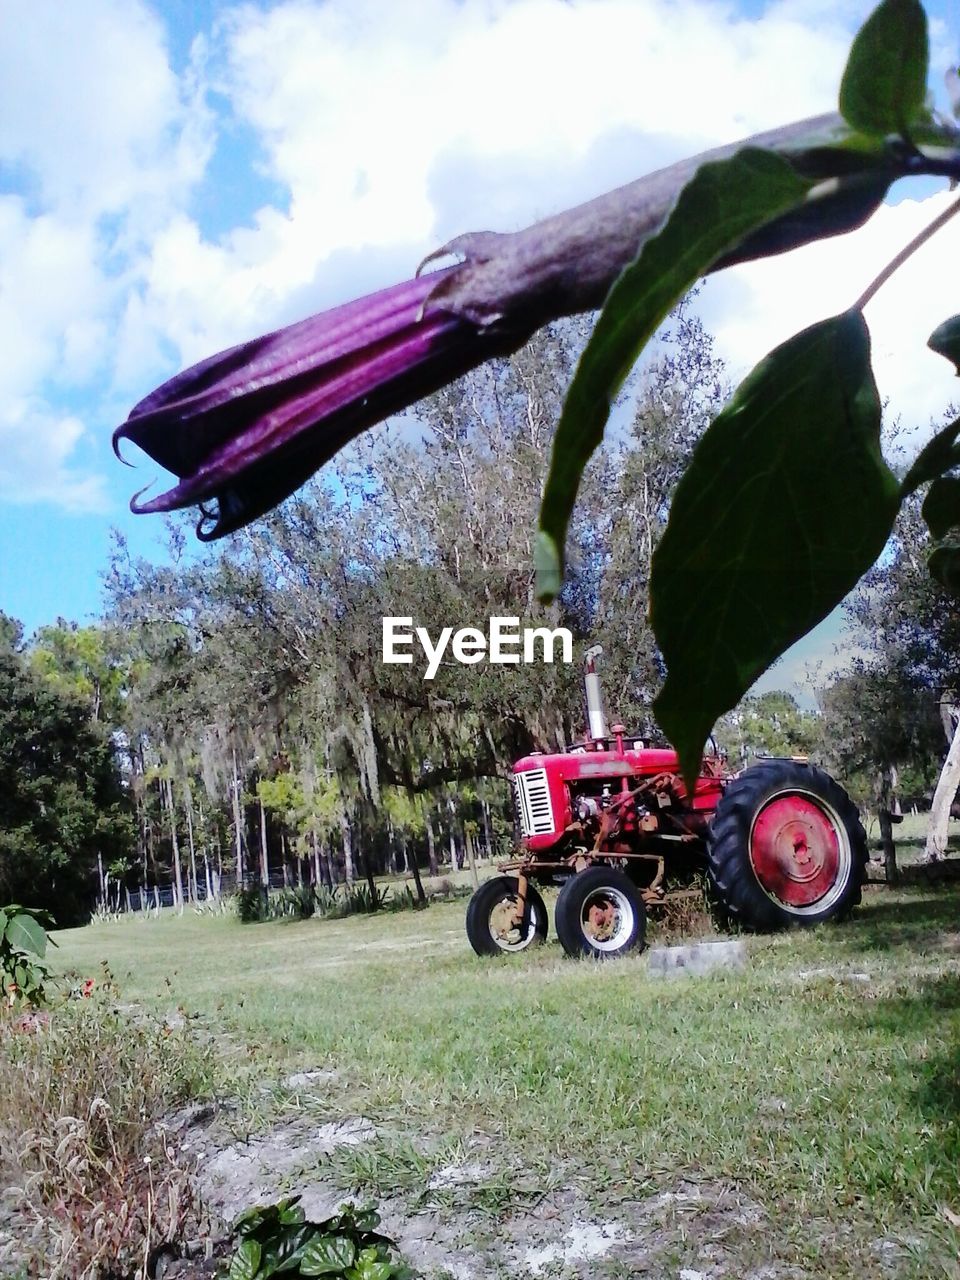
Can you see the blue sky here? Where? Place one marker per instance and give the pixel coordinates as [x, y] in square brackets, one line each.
[177, 175]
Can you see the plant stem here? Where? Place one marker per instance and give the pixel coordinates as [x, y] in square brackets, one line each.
[906, 252]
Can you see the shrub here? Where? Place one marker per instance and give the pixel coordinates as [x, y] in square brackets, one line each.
[23, 944]
[278, 1238]
[82, 1147]
[252, 903]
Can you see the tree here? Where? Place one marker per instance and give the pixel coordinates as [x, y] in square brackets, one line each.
[768, 724]
[62, 805]
[910, 625]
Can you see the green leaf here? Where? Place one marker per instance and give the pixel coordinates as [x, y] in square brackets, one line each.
[370, 1269]
[284, 1250]
[785, 504]
[941, 506]
[945, 341]
[366, 1220]
[937, 456]
[245, 1263]
[719, 206]
[24, 934]
[327, 1256]
[941, 453]
[884, 86]
[256, 1218]
[944, 565]
[289, 1212]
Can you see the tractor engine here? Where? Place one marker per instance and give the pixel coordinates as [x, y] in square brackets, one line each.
[610, 793]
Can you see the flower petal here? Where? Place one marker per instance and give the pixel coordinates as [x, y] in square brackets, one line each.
[248, 426]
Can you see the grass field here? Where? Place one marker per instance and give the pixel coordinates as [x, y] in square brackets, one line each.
[799, 1118]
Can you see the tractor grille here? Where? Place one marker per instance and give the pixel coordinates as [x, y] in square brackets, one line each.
[533, 802]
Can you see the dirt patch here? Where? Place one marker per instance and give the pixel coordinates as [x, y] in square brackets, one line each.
[690, 1231]
[280, 1162]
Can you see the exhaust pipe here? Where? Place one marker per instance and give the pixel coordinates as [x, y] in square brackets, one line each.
[596, 720]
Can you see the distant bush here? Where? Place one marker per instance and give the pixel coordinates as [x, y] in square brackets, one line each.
[255, 903]
[252, 903]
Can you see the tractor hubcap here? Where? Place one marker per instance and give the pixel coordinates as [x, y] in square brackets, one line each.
[607, 919]
[800, 852]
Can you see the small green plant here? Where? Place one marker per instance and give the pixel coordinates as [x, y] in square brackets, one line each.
[360, 899]
[299, 902]
[252, 903]
[23, 944]
[277, 1238]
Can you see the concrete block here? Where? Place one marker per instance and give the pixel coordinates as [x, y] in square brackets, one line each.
[696, 958]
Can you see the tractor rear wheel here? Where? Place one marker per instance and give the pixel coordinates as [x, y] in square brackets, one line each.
[786, 846]
[600, 913]
[491, 918]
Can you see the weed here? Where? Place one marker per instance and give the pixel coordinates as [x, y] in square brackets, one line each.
[80, 1144]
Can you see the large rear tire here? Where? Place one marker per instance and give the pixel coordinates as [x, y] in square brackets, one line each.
[599, 913]
[490, 918]
[786, 846]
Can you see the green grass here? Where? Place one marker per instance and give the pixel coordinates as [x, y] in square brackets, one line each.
[829, 1100]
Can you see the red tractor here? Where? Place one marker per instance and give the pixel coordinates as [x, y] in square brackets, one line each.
[610, 818]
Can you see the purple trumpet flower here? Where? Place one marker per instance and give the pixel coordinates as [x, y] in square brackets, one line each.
[245, 428]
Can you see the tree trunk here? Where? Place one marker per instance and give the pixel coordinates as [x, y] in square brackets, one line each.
[391, 849]
[432, 848]
[487, 840]
[207, 879]
[238, 824]
[347, 835]
[317, 874]
[177, 869]
[264, 856]
[421, 896]
[103, 883]
[192, 880]
[885, 784]
[943, 798]
[367, 867]
[889, 848]
[468, 842]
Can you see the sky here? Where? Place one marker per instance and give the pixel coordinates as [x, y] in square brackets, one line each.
[179, 175]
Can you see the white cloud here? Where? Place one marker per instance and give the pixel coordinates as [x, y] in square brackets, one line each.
[38, 448]
[98, 143]
[90, 107]
[387, 123]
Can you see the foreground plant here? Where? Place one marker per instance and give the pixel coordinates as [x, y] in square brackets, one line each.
[23, 945]
[95, 1185]
[278, 1239]
[245, 428]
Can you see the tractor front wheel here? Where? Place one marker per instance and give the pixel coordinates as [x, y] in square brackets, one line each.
[600, 913]
[786, 846]
[492, 924]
